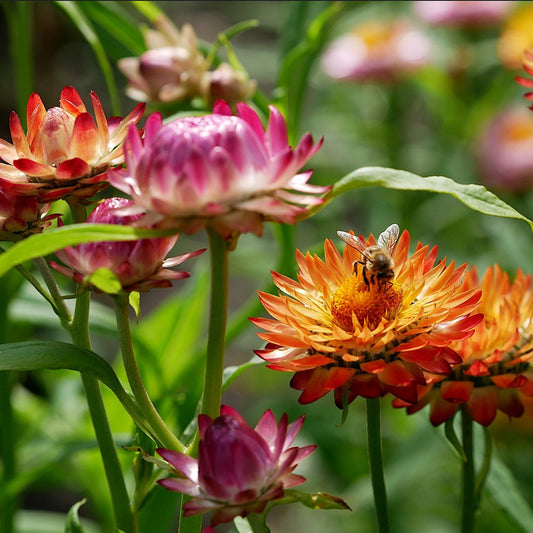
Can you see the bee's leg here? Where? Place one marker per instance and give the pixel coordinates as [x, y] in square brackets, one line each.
[356, 264]
[365, 277]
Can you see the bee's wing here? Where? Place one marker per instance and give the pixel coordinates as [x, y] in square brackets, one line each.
[353, 241]
[388, 238]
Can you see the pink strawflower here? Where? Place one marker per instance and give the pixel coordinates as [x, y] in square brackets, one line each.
[172, 67]
[218, 170]
[239, 469]
[139, 265]
[22, 216]
[462, 13]
[505, 151]
[65, 152]
[377, 51]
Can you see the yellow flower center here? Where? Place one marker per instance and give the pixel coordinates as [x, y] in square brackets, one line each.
[369, 300]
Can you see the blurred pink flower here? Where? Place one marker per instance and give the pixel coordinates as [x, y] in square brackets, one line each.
[65, 152]
[22, 216]
[218, 170]
[377, 51]
[462, 13]
[172, 67]
[504, 151]
[239, 469]
[139, 265]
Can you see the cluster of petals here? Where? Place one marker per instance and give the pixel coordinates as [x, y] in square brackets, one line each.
[495, 370]
[516, 36]
[404, 331]
[65, 152]
[504, 151]
[377, 51]
[239, 468]
[172, 67]
[528, 67]
[22, 216]
[464, 13]
[219, 170]
[138, 264]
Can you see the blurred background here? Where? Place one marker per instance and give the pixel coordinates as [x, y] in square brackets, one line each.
[392, 84]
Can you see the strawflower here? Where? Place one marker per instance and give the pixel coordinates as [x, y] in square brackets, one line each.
[528, 67]
[340, 328]
[463, 14]
[172, 67]
[22, 216]
[377, 51]
[495, 370]
[239, 469]
[139, 265]
[504, 151]
[65, 152]
[219, 171]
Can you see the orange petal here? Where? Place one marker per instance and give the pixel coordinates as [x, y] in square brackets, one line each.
[399, 374]
[35, 113]
[18, 137]
[509, 402]
[373, 367]
[478, 368]
[101, 120]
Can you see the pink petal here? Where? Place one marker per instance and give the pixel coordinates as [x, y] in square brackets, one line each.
[222, 108]
[181, 462]
[252, 119]
[7, 152]
[276, 134]
[101, 121]
[184, 486]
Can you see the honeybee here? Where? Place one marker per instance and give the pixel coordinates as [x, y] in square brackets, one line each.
[377, 259]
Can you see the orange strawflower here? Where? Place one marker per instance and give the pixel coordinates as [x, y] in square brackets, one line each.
[65, 151]
[495, 368]
[346, 326]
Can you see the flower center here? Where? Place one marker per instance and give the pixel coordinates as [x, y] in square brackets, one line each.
[368, 298]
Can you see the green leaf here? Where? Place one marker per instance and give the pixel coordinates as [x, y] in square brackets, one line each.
[148, 9]
[58, 238]
[53, 355]
[507, 495]
[73, 524]
[253, 523]
[104, 280]
[134, 299]
[476, 197]
[231, 373]
[318, 500]
[84, 26]
[115, 20]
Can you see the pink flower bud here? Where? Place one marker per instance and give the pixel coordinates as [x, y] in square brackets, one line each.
[139, 264]
[239, 469]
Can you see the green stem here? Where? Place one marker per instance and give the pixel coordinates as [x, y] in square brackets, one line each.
[113, 470]
[373, 425]
[160, 430]
[485, 467]
[468, 473]
[217, 325]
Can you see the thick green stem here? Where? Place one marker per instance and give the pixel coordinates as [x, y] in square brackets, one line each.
[108, 451]
[159, 429]
[373, 426]
[217, 325]
[468, 473]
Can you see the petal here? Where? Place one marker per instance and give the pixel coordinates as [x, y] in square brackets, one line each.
[71, 102]
[85, 142]
[484, 404]
[72, 168]
[34, 169]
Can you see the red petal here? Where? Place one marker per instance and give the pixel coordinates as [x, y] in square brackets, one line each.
[70, 101]
[441, 410]
[17, 135]
[32, 168]
[72, 168]
[509, 402]
[101, 120]
[373, 367]
[456, 391]
[85, 140]
[484, 404]
[35, 113]
[478, 368]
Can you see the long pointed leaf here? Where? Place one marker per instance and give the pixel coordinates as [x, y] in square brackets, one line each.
[58, 238]
[476, 197]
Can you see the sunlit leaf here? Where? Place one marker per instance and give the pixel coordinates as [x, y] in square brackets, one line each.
[318, 500]
[474, 196]
[58, 238]
[105, 280]
[73, 525]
